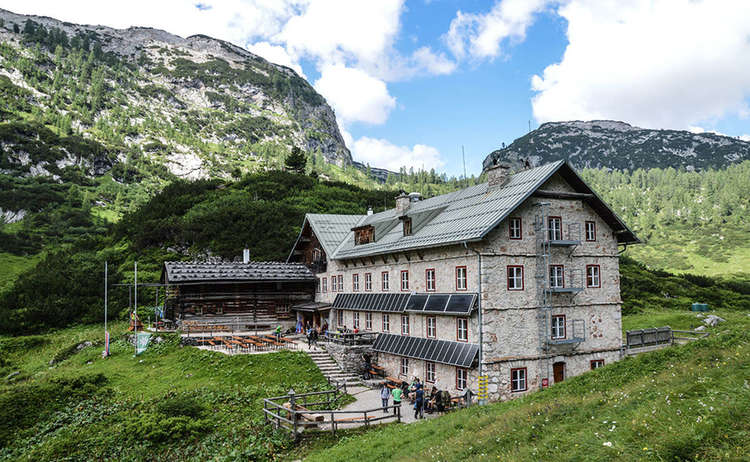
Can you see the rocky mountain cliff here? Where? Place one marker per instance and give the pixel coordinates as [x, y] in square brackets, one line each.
[620, 146]
[85, 100]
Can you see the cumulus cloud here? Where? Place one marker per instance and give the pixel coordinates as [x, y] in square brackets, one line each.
[668, 63]
[479, 36]
[384, 154]
[276, 54]
[745, 137]
[355, 95]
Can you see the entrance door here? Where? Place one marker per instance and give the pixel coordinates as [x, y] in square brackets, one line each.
[558, 369]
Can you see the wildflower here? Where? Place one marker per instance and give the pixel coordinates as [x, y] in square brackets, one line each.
[607, 443]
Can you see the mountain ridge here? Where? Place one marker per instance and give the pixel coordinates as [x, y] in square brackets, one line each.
[620, 146]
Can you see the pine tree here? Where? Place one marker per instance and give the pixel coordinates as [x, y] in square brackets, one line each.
[296, 161]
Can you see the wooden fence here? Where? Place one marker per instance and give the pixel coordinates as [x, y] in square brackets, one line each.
[660, 336]
[297, 412]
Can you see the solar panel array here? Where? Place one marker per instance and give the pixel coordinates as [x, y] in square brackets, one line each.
[439, 351]
[371, 302]
[455, 304]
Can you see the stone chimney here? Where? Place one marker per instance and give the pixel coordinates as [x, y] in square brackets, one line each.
[246, 256]
[497, 174]
[402, 202]
[369, 211]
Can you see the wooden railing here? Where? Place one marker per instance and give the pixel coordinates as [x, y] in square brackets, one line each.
[295, 412]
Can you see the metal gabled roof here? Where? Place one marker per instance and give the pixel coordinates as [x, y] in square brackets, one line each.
[465, 215]
[176, 272]
[329, 229]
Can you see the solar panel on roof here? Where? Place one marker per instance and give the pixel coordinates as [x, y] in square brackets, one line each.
[416, 302]
[436, 303]
[460, 303]
[442, 351]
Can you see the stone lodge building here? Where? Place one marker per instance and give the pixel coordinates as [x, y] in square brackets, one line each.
[516, 279]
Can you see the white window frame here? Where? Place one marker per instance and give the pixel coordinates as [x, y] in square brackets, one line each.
[593, 279]
[355, 320]
[404, 280]
[386, 322]
[516, 277]
[341, 282]
[462, 329]
[556, 276]
[405, 324]
[557, 326]
[404, 369]
[385, 283]
[554, 225]
[325, 285]
[462, 279]
[340, 318]
[368, 282]
[518, 379]
[430, 372]
[431, 327]
[368, 320]
[355, 282]
[462, 378]
[430, 279]
[515, 229]
[590, 236]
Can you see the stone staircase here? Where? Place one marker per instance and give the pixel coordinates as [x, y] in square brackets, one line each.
[331, 370]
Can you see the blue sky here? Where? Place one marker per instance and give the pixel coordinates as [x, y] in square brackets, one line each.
[413, 81]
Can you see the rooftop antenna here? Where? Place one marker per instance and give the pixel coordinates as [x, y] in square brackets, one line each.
[463, 157]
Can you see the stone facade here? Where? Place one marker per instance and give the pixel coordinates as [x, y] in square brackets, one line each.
[516, 324]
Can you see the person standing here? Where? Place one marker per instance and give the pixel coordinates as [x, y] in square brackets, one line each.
[278, 333]
[396, 398]
[368, 365]
[385, 395]
[419, 402]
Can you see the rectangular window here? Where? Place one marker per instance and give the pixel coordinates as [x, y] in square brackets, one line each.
[590, 231]
[461, 378]
[557, 276]
[518, 379]
[597, 363]
[355, 321]
[558, 326]
[462, 329]
[514, 228]
[592, 276]
[325, 285]
[355, 282]
[341, 282]
[461, 278]
[404, 366]
[429, 276]
[386, 322]
[431, 326]
[555, 228]
[334, 283]
[368, 282]
[317, 285]
[340, 318]
[368, 320]
[404, 324]
[364, 235]
[515, 277]
[404, 280]
[384, 281]
[429, 372]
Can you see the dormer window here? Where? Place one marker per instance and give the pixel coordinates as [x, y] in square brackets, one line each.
[407, 226]
[364, 235]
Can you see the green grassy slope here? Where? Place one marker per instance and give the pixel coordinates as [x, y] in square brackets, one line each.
[169, 403]
[683, 403]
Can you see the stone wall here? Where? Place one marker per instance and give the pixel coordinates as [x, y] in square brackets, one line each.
[349, 357]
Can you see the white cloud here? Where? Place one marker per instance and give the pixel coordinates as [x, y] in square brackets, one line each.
[384, 154]
[745, 138]
[479, 36]
[355, 95]
[668, 63]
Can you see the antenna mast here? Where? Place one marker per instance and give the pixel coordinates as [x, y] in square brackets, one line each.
[463, 157]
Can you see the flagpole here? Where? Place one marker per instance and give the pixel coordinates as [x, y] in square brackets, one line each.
[135, 309]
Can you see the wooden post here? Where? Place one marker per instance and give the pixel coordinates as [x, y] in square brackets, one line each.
[333, 425]
[293, 413]
[265, 415]
[367, 422]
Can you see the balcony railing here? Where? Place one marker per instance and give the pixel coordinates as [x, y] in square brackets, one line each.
[567, 235]
[575, 332]
[564, 281]
[350, 338]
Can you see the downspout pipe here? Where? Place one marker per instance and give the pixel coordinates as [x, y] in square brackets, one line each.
[479, 287]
